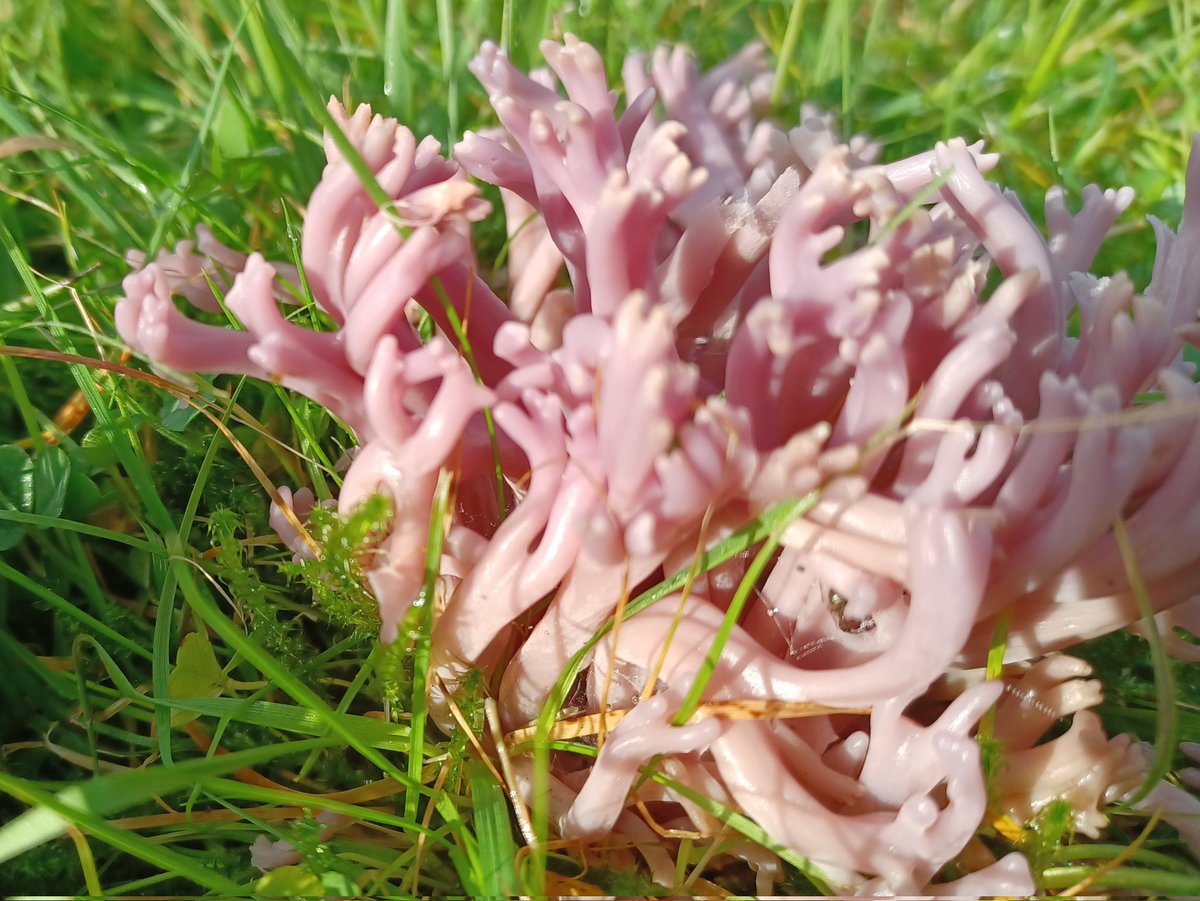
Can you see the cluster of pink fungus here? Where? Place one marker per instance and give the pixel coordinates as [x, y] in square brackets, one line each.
[702, 315]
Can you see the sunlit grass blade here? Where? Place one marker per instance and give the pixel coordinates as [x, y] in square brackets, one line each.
[110, 794]
[297, 719]
[397, 47]
[1093, 851]
[746, 537]
[449, 48]
[493, 830]
[1144, 880]
[82, 140]
[229, 789]
[422, 628]
[745, 826]
[54, 815]
[709, 665]
[787, 50]
[178, 195]
[1050, 55]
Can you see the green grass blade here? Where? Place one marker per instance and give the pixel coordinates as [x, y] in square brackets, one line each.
[127, 453]
[180, 191]
[397, 48]
[227, 788]
[745, 826]
[298, 720]
[82, 528]
[467, 862]
[783, 65]
[1166, 732]
[1143, 880]
[1051, 53]
[28, 414]
[423, 610]
[71, 611]
[744, 538]
[112, 221]
[164, 633]
[753, 572]
[1103, 851]
[110, 794]
[52, 814]
[266, 664]
[445, 20]
[160, 671]
[493, 830]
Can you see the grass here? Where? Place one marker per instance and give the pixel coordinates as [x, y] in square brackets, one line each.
[146, 617]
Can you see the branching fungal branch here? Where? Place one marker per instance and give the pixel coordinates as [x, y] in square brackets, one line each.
[684, 335]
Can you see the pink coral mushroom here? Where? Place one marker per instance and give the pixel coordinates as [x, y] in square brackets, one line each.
[687, 335]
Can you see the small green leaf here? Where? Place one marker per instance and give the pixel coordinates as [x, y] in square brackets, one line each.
[230, 130]
[51, 470]
[197, 674]
[16, 491]
[16, 478]
[290, 882]
[10, 535]
[337, 885]
[97, 446]
[82, 497]
[175, 417]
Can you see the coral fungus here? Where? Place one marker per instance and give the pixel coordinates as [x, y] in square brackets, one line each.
[701, 317]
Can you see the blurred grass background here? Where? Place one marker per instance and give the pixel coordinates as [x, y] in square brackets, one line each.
[128, 522]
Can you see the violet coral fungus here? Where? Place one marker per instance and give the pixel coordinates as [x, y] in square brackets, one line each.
[686, 335]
